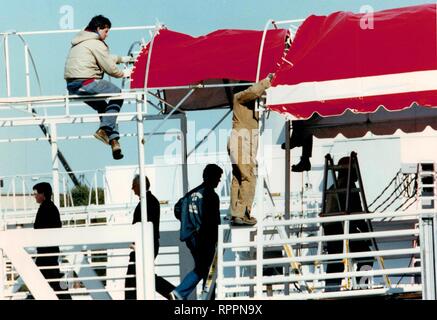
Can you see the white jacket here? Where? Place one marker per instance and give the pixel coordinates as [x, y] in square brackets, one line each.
[89, 58]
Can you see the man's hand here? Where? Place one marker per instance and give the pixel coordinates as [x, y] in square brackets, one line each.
[127, 59]
[127, 73]
[270, 76]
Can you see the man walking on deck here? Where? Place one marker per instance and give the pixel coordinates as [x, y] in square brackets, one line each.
[199, 212]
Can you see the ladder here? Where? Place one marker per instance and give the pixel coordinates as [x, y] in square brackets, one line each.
[345, 208]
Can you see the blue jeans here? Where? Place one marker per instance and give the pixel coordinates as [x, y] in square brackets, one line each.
[109, 124]
[203, 255]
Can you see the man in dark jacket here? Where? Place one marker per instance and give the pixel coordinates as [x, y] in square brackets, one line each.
[163, 287]
[203, 203]
[48, 217]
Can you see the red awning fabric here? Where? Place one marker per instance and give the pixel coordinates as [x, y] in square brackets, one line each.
[180, 60]
[221, 57]
[346, 61]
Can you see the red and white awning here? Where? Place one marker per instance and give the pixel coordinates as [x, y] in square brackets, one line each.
[345, 61]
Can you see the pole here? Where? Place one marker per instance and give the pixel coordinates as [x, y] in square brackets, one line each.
[427, 256]
[147, 275]
[7, 66]
[287, 170]
[55, 163]
[184, 153]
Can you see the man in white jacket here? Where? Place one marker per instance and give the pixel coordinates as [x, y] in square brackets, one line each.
[86, 64]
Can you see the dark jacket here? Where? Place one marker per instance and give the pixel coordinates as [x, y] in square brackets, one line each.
[47, 217]
[153, 215]
[200, 214]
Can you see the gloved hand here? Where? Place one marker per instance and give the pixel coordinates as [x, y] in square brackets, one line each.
[127, 73]
[127, 59]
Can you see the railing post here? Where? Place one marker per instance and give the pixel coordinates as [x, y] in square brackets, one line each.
[55, 163]
[147, 270]
[428, 255]
[26, 64]
[220, 291]
[7, 65]
[183, 120]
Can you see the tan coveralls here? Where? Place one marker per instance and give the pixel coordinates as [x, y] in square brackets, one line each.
[242, 147]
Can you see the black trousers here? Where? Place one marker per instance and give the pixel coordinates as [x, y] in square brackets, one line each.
[333, 247]
[51, 261]
[163, 287]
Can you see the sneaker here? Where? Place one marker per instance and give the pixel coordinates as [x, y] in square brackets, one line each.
[243, 221]
[303, 165]
[116, 150]
[102, 136]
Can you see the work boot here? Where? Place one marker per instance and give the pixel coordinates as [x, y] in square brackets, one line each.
[102, 136]
[116, 150]
[303, 165]
[246, 220]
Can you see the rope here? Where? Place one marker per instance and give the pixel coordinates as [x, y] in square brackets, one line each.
[388, 198]
[382, 192]
[408, 184]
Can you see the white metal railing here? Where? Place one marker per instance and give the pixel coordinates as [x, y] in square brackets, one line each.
[302, 261]
[16, 193]
[84, 251]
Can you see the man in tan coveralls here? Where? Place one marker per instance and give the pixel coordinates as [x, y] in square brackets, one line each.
[242, 149]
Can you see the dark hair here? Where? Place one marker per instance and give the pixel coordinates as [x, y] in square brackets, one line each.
[136, 180]
[98, 22]
[212, 170]
[342, 173]
[44, 188]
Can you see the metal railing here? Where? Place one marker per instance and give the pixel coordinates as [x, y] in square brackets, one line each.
[297, 270]
[85, 261]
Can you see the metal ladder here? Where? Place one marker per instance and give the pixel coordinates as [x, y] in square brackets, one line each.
[345, 208]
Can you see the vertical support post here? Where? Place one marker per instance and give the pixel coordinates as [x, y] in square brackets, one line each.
[260, 207]
[287, 170]
[184, 153]
[23, 192]
[26, 64]
[219, 281]
[260, 179]
[64, 190]
[55, 163]
[427, 256]
[186, 263]
[96, 189]
[147, 274]
[7, 65]
[14, 195]
[104, 187]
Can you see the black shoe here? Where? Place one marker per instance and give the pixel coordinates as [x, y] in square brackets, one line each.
[291, 146]
[303, 165]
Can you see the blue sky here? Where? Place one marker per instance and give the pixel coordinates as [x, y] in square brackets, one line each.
[195, 17]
